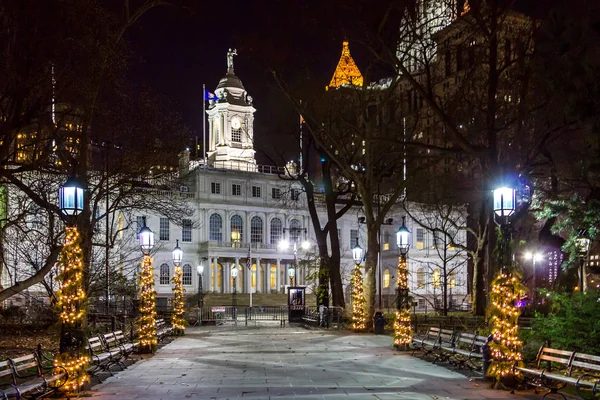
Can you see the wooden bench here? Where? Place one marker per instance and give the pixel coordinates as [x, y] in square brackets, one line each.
[444, 345]
[128, 347]
[163, 329]
[113, 346]
[427, 342]
[27, 377]
[102, 358]
[553, 371]
[467, 351]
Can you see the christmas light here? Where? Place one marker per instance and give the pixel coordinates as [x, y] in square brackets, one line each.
[146, 322]
[178, 320]
[503, 315]
[358, 300]
[402, 329]
[71, 303]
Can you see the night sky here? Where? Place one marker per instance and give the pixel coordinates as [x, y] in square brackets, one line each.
[180, 48]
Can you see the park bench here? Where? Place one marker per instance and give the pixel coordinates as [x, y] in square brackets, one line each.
[102, 357]
[427, 342]
[561, 368]
[311, 318]
[467, 351]
[113, 346]
[127, 346]
[444, 345]
[27, 377]
[163, 329]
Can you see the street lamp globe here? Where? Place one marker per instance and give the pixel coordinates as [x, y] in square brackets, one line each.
[403, 238]
[535, 257]
[70, 197]
[291, 271]
[234, 272]
[504, 201]
[305, 245]
[146, 237]
[583, 245]
[284, 244]
[200, 269]
[177, 254]
[357, 254]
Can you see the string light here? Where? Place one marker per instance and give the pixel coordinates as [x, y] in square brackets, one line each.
[402, 329]
[178, 320]
[71, 302]
[359, 318]
[503, 314]
[146, 322]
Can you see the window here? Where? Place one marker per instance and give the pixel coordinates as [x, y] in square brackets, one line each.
[353, 237]
[386, 279]
[215, 188]
[386, 240]
[256, 230]
[187, 275]
[295, 194]
[436, 278]
[273, 278]
[256, 191]
[236, 134]
[236, 189]
[276, 193]
[215, 228]
[186, 233]
[165, 274]
[421, 277]
[140, 223]
[295, 231]
[452, 280]
[420, 238]
[237, 229]
[276, 231]
[164, 229]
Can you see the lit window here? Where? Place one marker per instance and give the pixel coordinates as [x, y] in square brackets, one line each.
[420, 238]
[436, 278]
[237, 225]
[420, 277]
[253, 276]
[273, 277]
[386, 279]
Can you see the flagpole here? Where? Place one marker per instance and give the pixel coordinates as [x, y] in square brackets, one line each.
[204, 152]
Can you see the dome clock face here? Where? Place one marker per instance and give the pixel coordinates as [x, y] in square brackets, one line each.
[236, 123]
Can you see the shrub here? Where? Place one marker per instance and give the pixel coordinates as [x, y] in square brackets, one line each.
[573, 322]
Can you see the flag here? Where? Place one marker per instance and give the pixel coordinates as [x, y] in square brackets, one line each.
[210, 96]
[302, 121]
[249, 262]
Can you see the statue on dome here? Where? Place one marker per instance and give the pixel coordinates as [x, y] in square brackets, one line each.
[230, 55]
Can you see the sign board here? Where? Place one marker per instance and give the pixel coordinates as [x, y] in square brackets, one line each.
[217, 309]
[296, 303]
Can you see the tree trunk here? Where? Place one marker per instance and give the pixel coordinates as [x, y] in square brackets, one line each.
[369, 277]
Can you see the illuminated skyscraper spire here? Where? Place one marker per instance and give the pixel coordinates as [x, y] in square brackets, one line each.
[346, 72]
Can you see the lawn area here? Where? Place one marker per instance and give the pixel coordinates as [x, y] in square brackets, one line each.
[17, 340]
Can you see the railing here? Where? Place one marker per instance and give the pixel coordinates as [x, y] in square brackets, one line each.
[239, 166]
[214, 244]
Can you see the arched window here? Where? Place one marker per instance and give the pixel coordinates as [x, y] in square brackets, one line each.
[436, 278]
[386, 279]
[295, 231]
[187, 274]
[165, 274]
[421, 277]
[256, 230]
[237, 229]
[273, 277]
[276, 230]
[216, 228]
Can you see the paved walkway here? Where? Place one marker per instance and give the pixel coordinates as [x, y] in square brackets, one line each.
[290, 363]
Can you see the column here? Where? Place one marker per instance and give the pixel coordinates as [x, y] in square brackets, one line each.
[259, 279]
[208, 275]
[239, 277]
[226, 277]
[277, 280]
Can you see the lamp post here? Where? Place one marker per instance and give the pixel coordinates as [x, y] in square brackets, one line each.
[534, 257]
[72, 296]
[200, 270]
[146, 321]
[582, 243]
[177, 320]
[359, 322]
[234, 274]
[402, 331]
[284, 244]
[291, 273]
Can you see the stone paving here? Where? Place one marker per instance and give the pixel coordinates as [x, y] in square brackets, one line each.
[289, 363]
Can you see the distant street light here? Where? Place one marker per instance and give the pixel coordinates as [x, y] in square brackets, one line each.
[200, 270]
[234, 274]
[357, 254]
[402, 334]
[534, 257]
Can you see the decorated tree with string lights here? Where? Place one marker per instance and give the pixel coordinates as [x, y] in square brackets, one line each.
[71, 301]
[178, 320]
[146, 322]
[503, 315]
[402, 329]
[358, 300]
